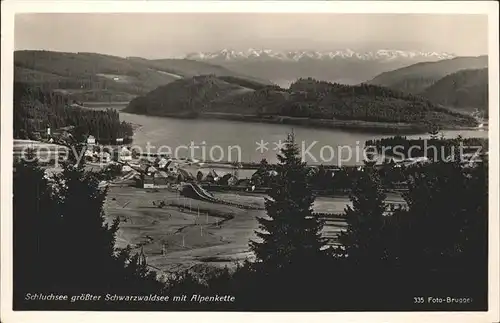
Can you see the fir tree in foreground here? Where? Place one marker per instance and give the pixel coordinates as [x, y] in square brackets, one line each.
[62, 241]
[363, 241]
[290, 234]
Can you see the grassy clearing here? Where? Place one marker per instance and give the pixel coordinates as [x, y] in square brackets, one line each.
[218, 236]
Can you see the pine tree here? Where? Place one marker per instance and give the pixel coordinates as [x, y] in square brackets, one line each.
[62, 240]
[364, 241]
[474, 238]
[261, 175]
[444, 201]
[291, 234]
[322, 179]
[33, 217]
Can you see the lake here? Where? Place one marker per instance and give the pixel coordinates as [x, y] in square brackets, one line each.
[225, 140]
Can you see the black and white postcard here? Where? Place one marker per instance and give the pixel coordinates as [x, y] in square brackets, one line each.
[283, 161]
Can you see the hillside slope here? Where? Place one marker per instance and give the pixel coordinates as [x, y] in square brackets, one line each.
[415, 78]
[466, 90]
[98, 77]
[36, 110]
[189, 68]
[306, 99]
[185, 97]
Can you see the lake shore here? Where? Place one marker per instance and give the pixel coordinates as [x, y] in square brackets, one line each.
[351, 125]
[360, 126]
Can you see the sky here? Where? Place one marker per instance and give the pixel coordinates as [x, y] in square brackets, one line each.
[163, 35]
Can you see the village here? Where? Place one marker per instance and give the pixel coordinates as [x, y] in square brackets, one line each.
[136, 168]
[132, 167]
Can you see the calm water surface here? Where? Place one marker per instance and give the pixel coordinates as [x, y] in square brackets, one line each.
[232, 140]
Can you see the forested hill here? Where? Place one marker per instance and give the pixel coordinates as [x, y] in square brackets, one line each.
[35, 110]
[416, 78]
[467, 90]
[184, 97]
[98, 77]
[306, 98]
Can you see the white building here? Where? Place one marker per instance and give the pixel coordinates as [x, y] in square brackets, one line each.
[273, 173]
[162, 163]
[104, 157]
[125, 154]
[126, 168]
[173, 167]
[91, 140]
[89, 154]
[151, 170]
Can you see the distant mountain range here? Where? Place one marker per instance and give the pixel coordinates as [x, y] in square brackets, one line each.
[262, 54]
[342, 66]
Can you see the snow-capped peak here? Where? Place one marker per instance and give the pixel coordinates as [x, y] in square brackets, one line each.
[381, 54]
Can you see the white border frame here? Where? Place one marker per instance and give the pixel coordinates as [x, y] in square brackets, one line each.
[9, 8]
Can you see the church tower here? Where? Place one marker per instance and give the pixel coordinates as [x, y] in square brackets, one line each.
[142, 257]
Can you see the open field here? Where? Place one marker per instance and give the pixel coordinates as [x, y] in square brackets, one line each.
[218, 236]
[189, 239]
